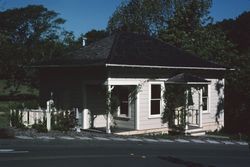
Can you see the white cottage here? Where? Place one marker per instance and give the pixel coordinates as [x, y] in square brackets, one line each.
[135, 69]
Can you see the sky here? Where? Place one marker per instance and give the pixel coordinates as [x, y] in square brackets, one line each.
[84, 15]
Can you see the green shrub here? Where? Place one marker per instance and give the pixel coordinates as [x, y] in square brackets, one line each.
[4, 115]
[16, 120]
[40, 126]
[63, 122]
[17, 107]
[4, 120]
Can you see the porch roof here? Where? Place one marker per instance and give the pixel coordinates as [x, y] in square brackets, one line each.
[184, 78]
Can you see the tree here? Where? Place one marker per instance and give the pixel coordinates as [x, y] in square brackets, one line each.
[191, 28]
[95, 35]
[141, 16]
[238, 31]
[238, 88]
[28, 35]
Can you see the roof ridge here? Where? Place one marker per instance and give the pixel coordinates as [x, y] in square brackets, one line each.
[116, 37]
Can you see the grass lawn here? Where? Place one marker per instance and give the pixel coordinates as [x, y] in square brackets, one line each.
[23, 89]
[5, 105]
[4, 114]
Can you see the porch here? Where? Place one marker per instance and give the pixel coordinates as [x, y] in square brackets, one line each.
[135, 97]
[188, 118]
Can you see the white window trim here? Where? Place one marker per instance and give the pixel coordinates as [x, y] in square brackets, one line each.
[208, 99]
[161, 100]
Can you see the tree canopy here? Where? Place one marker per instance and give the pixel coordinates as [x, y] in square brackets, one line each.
[141, 16]
[28, 35]
[95, 35]
[238, 31]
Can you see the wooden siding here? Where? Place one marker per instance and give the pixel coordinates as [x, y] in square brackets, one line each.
[145, 121]
[209, 118]
[69, 91]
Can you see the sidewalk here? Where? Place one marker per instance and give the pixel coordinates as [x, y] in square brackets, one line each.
[133, 139]
[97, 136]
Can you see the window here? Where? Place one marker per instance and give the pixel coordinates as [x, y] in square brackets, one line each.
[155, 101]
[205, 98]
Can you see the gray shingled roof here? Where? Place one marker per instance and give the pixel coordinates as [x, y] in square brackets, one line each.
[132, 49]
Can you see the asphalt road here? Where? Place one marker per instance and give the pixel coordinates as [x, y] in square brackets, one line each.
[59, 153]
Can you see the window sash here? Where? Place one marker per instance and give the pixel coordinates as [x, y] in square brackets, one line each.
[205, 98]
[155, 108]
[155, 91]
[155, 99]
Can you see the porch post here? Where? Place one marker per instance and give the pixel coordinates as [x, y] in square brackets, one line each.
[200, 107]
[186, 111]
[137, 127]
[108, 121]
[48, 114]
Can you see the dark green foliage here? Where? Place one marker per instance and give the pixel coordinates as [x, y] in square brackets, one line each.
[4, 120]
[237, 92]
[40, 126]
[220, 108]
[220, 105]
[63, 121]
[238, 31]
[29, 35]
[95, 35]
[16, 119]
[141, 16]
[190, 97]
[20, 105]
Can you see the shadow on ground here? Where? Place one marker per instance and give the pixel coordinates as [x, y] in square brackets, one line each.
[181, 162]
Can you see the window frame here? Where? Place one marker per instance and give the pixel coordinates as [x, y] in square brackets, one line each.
[208, 99]
[161, 84]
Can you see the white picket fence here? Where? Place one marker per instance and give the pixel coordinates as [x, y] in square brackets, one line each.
[32, 116]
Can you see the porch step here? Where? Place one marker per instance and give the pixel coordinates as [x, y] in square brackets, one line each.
[196, 132]
[201, 133]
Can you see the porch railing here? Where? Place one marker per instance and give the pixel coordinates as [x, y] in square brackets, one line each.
[192, 117]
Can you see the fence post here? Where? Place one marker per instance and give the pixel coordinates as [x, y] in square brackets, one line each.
[200, 108]
[48, 114]
[77, 119]
[11, 111]
[85, 119]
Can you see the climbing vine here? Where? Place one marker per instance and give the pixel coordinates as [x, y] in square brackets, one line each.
[220, 105]
[177, 98]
